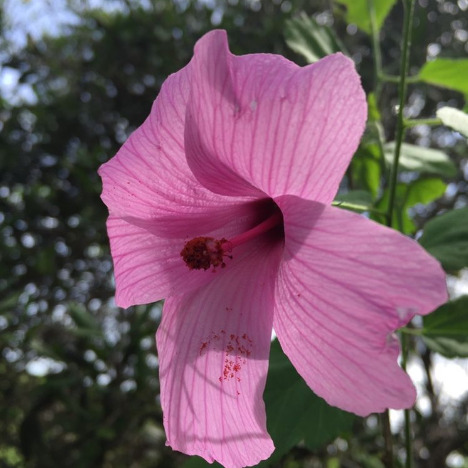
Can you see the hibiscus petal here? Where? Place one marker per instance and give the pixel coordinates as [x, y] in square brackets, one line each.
[146, 253]
[345, 284]
[261, 121]
[149, 176]
[213, 347]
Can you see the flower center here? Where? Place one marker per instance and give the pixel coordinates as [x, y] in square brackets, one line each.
[200, 253]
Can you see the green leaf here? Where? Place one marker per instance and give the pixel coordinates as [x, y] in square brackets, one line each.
[420, 191]
[354, 200]
[446, 238]
[446, 330]
[294, 412]
[311, 40]
[420, 159]
[447, 73]
[454, 118]
[358, 12]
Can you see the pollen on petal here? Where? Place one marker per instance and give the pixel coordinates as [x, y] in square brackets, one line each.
[235, 349]
[201, 253]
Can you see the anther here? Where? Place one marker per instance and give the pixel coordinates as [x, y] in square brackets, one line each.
[201, 253]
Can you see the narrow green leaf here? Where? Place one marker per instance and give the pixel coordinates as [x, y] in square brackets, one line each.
[454, 118]
[420, 159]
[447, 73]
[358, 12]
[446, 238]
[311, 40]
[446, 330]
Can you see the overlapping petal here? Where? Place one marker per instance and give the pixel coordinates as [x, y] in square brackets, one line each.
[149, 177]
[213, 346]
[345, 284]
[261, 122]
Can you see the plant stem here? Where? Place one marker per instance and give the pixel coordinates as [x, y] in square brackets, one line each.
[408, 437]
[357, 207]
[376, 49]
[414, 122]
[396, 79]
[388, 456]
[411, 331]
[400, 128]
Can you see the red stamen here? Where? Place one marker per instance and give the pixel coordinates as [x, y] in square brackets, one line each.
[269, 223]
[201, 253]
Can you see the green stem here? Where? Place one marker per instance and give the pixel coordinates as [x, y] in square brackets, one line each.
[414, 122]
[412, 331]
[408, 437]
[376, 49]
[400, 128]
[388, 456]
[357, 207]
[396, 79]
[378, 72]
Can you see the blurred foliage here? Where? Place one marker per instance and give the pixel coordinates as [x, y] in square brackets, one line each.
[446, 238]
[454, 118]
[357, 12]
[310, 39]
[79, 384]
[446, 330]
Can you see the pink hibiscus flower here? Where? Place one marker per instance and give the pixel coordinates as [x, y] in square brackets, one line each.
[220, 203]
